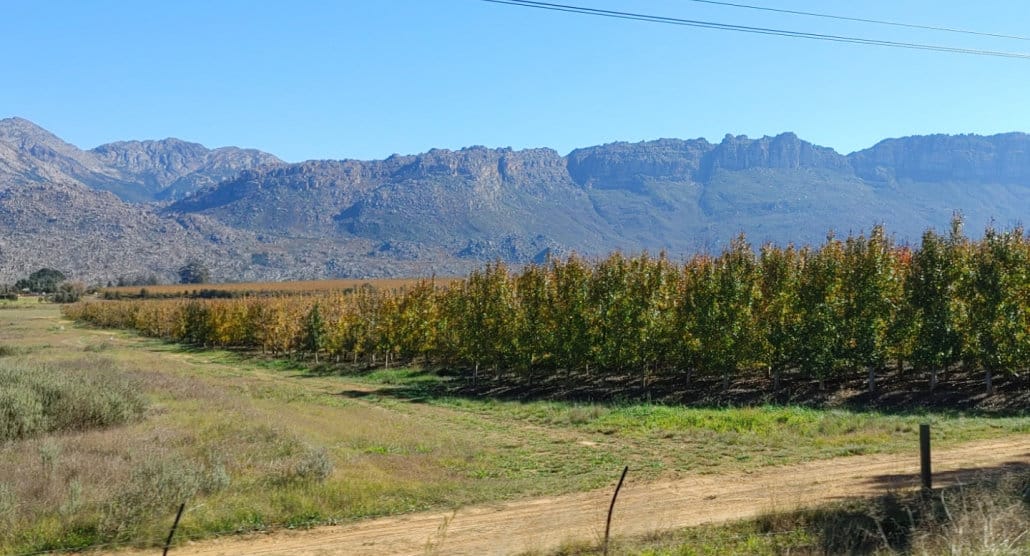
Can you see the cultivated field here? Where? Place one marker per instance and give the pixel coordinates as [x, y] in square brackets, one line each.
[253, 444]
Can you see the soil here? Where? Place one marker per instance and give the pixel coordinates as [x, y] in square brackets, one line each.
[544, 524]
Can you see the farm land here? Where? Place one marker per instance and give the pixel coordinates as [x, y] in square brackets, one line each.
[294, 434]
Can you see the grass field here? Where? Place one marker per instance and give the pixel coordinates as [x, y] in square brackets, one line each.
[255, 444]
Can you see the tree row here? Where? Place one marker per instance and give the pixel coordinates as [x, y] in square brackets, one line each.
[849, 307]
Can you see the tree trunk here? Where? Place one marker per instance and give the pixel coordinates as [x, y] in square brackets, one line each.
[822, 384]
[725, 383]
[872, 379]
[776, 379]
[933, 378]
[989, 382]
[475, 375]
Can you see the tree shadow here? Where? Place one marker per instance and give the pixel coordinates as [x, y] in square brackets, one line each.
[952, 477]
[900, 396]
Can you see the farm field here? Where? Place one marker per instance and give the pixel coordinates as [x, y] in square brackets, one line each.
[258, 444]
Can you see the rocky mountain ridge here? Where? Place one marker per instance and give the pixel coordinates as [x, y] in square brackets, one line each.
[251, 216]
[136, 171]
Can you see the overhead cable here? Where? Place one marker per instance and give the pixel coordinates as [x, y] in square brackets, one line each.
[757, 30]
[865, 20]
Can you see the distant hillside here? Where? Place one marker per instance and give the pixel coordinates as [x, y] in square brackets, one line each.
[249, 215]
[134, 170]
[677, 195]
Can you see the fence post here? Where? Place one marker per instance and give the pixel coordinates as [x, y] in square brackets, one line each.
[168, 543]
[924, 456]
[611, 507]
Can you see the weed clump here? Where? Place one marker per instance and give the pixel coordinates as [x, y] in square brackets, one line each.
[308, 463]
[156, 488]
[8, 351]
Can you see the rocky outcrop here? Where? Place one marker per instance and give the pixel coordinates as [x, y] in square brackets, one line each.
[785, 151]
[1001, 158]
[136, 171]
[172, 169]
[628, 165]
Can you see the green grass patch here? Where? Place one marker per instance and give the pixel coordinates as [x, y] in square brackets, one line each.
[658, 439]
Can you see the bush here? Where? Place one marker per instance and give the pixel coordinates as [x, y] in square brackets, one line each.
[36, 400]
[21, 412]
[8, 504]
[309, 464]
[68, 292]
[156, 488]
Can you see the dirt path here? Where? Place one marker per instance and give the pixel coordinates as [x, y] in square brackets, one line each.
[544, 523]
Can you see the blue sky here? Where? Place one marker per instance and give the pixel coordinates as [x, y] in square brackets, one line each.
[365, 79]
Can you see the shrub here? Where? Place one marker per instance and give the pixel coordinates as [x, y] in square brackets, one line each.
[309, 464]
[156, 488]
[8, 504]
[36, 399]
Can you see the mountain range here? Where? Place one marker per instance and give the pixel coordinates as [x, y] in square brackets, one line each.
[135, 208]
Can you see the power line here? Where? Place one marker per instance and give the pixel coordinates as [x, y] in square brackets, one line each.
[756, 30]
[864, 20]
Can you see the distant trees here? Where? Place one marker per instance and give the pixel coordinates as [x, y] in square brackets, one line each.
[194, 272]
[68, 292]
[44, 280]
[138, 280]
[8, 292]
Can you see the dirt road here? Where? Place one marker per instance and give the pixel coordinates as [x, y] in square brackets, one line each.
[544, 523]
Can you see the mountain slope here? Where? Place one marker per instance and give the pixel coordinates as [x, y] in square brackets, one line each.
[136, 171]
[675, 195]
[249, 215]
[171, 168]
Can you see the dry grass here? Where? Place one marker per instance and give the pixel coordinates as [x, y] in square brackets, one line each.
[989, 516]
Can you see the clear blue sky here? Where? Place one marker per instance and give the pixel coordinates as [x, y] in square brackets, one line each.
[365, 79]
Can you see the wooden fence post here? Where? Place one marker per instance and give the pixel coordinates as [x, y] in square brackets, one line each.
[168, 543]
[611, 507]
[924, 456]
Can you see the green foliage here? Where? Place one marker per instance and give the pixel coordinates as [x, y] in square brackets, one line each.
[68, 292]
[44, 280]
[194, 272]
[843, 309]
[998, 313]
[36, 400]
[934, 291]
[314, 340]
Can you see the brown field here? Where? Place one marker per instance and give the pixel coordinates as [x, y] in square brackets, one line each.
[301, 286]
